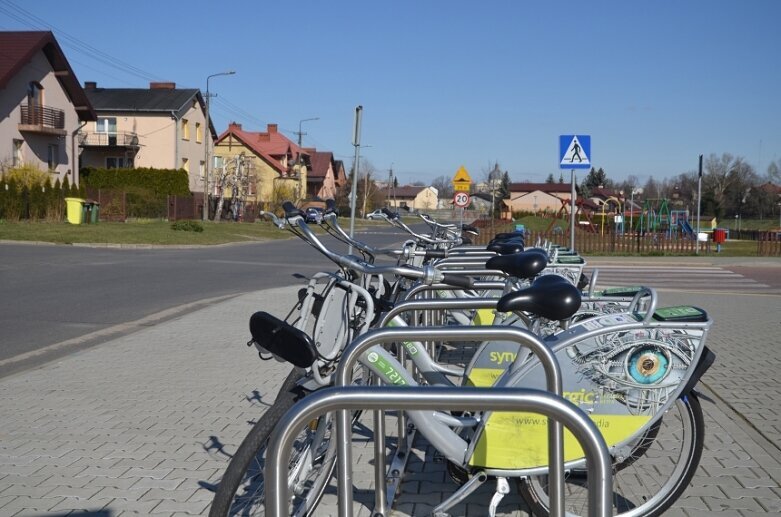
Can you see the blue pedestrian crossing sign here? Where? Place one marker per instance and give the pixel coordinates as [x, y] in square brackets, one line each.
[575, 151]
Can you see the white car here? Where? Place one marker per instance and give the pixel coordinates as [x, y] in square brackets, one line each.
[377, 214]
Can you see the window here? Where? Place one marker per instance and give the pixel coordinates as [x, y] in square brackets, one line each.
[115, 162]
[198, 132]
[185, 129]
[218, 162]
[17, 154]
[34, 94]
[106, 125]
[186, 165]
[53, 156]
[201, 169]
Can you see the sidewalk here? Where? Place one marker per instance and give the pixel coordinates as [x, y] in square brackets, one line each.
[144, 424]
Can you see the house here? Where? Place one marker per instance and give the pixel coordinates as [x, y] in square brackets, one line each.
[42, 105]
[280, 167]
[412, 197]
[325, 175]
[161, 127]
[537, 197]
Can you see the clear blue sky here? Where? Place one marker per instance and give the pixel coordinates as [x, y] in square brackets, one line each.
[451, 83]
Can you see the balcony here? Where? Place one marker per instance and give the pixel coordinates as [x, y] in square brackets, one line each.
[109, 140]
[42, 120]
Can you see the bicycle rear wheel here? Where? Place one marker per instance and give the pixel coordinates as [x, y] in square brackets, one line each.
[312, 462]
[649, 480]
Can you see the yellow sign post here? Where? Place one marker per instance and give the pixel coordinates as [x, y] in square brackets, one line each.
[462, 181]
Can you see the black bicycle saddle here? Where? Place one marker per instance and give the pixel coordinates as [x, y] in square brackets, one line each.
[550, 296]
[526, 264]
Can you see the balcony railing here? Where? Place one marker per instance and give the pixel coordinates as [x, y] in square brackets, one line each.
[42, 119]
[121, 139]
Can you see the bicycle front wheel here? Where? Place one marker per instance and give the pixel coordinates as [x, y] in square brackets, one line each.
[312, 462]
[649, 480]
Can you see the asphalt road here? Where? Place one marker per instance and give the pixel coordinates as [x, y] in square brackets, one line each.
[55, 300]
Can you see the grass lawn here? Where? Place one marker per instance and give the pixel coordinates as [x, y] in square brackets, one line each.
[146, 232]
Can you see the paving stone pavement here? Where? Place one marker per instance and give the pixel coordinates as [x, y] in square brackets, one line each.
[146, 423]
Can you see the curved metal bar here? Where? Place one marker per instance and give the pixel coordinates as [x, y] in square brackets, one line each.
[523, 337]
[497, 399]
[651, 306]
[438, 304]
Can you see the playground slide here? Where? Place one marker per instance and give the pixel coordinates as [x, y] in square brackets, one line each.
[686, 227]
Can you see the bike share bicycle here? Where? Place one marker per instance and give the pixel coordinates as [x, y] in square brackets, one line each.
[658, 356]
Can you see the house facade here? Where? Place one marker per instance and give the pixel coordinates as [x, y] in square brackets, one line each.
[42, 105]
[536, 197]
[325, 175]
[280, 168]
[412, 197]
[161, 126]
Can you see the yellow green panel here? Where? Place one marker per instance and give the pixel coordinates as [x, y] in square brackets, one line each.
[519, 440]
[484, 317]
[483, 377]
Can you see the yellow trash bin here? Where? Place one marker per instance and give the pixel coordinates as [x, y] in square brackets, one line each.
[75, 209]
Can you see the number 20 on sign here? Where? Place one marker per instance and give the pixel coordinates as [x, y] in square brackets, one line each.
[461, 199]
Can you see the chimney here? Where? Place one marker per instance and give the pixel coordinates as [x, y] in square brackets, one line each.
[90, 85]
[272, 128]
[234, 125]
[162, 86]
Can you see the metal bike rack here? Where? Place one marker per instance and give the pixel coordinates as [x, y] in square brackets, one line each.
[487, 333]
[350, 398]
[406, 435]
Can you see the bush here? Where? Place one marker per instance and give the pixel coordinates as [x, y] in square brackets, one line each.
[187, 226]
[161, 182]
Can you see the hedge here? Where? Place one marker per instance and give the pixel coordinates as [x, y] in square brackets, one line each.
[160, 182]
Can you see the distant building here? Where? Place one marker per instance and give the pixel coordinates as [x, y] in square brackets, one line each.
[42, 105]
[537, 197]
[162, 126]
[280, 167]
[412, 197]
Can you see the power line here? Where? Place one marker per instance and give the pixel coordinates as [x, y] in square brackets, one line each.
[27, 18]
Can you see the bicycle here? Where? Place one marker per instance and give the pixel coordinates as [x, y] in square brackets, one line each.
[677, 353]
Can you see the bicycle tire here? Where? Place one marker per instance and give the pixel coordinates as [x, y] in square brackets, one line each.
[642, 465]
[240, 491]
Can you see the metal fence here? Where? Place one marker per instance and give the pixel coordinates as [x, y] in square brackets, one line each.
[768, 242]
[118, 205]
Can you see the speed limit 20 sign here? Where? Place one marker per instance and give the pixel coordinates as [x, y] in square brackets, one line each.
[461, 199]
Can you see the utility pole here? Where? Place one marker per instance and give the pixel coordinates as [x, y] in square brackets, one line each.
[390, 186]
[699, 195]
[207, 138]
[353, 187]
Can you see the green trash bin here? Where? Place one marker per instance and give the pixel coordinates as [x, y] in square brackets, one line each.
[94, 212]
[76, 210]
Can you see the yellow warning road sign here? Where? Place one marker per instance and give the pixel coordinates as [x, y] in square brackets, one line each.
[462, 181]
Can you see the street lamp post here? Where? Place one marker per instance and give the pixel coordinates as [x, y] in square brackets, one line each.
[206, 146]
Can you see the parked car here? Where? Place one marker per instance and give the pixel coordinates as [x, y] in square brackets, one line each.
[314, 215]
[377, 214]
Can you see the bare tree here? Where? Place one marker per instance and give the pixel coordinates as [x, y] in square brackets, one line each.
[774, 172]
[717, 179]
[444, 186]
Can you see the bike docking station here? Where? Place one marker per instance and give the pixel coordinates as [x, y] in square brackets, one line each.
[344, 398]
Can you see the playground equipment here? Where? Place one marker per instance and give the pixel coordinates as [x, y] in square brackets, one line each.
[655, 216]
[620, 222]
[564, 215]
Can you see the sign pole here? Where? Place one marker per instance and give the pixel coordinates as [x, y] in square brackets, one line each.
[572, 214]
[699, 194]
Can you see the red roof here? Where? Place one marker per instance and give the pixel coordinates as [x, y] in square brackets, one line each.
[19, 48]
[542, 187]
[269, 143]
[320, 161]
[255, 141]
